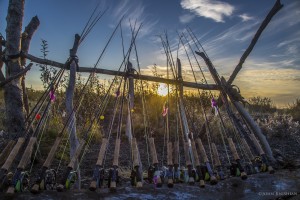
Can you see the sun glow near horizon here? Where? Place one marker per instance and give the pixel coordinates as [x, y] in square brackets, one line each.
[163, 89]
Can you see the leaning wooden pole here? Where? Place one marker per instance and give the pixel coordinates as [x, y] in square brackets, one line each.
[255, 128]
[277, 6]
[224, 92]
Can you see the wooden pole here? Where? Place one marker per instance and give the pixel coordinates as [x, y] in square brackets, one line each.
[118, 73]
[224, 91]
[277, 6]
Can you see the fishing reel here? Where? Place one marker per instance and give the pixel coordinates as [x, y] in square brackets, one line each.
[71, 179]
[234, 169]
[98, 178]
[6, 180]
[22, 184]
[49, 180]
[170, 176]
[133, 175]
[184, 175]
[113, 178]
[101, 177]
[260, 165]
[151, 171]
[192, 175]
[250, 169]
[220, 174]
[205, 173]
[176, 174]
[157, 178]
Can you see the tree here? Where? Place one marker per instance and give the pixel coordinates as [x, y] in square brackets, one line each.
[14, 90]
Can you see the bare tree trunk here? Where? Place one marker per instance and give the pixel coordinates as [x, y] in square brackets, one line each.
[26, 38]
[13, 91]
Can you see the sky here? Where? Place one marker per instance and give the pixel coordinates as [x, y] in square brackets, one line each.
[225, 29]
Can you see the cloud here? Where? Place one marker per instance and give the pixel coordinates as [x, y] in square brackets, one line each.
[293, 40]
[245, 17]
[233, 36]
[186, 18]
[287, 17]
[134, 12]
[212, 9]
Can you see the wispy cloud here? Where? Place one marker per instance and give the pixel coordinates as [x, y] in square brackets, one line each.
[287, 17]
[293, 40]
[212, 9]
[134, 12]
[186, 18]
[245, 17]
[235, 35]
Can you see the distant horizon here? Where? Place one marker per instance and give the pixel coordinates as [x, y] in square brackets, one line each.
[278, 104]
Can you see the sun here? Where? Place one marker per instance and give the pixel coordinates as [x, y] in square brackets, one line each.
[162, 89]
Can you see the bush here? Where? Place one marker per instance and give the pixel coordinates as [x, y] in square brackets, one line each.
[280, 126]
[261, 105]
[294, 110]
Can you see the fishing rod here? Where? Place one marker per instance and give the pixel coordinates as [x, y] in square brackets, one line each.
[21, 142]
[137, 168]
[217, 79]
[113, 173]
[66, 178]
[183, 122]
[221, 174]
[135, 154]
[10, 145]
[207, 169]
[39, 183]
[98, 173]
[19, 173]
[213, 150]
[68, 174]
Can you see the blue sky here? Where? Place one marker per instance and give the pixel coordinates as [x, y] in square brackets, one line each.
[225, 29]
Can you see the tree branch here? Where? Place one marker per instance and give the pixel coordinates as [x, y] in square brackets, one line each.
[21, 73]
[25, 42]
[277, 6]
[27, 35]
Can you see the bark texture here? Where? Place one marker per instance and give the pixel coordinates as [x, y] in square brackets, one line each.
[13, 91]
